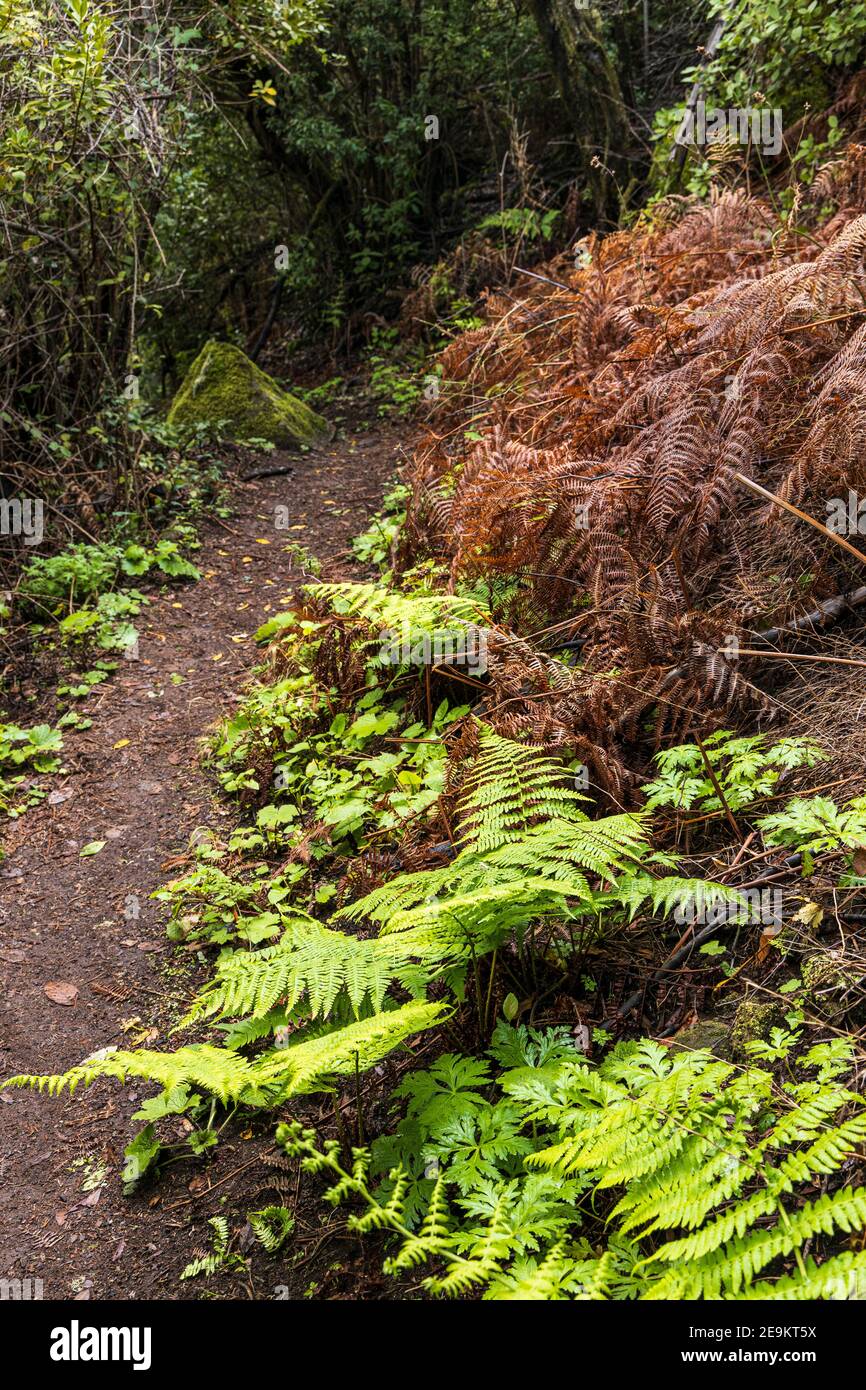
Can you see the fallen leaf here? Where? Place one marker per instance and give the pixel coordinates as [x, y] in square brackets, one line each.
[810, 915]
[121, 743]
[93, 848]
[61, 993]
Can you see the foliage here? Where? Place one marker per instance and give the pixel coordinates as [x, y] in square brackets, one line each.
[372, 192]
[772, 55]
[659, 418]
[528, 856]
[22, 752]
[395, 374]
[787, 49]
[813, 825]
[220, 1257]
[373, 544]
[699, 1172]
[745, 768]
[272, 1226]
[83, 572]
[271, 1078]
[509, 788]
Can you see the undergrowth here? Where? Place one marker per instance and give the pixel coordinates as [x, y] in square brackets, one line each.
[637, 1174]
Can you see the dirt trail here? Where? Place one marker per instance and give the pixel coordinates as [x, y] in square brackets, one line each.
[134, 782]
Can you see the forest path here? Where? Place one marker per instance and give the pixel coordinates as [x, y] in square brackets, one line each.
[134, 782]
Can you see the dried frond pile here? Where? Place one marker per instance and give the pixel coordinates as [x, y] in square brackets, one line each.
[591, 454]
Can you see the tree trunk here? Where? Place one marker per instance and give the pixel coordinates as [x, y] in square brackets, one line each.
[589, 85]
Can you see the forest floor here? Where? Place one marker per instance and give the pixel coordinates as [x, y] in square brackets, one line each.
[133, 780]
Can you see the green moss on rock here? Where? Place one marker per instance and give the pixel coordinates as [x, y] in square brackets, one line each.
[225, 389]
[707, 1035]
[754, 1021]
[831, 983]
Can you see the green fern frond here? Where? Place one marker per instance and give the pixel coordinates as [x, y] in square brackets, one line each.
[843, 1276]
[550, 1279]
[319, 964]
[306, 1066]
[405, 623]
[433, 1238]
[509, 788]
[272, 1226]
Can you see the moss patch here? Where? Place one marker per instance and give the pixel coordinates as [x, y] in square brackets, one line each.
[831, 983]
[225, 389]
[752, 1023]
[707, 1034]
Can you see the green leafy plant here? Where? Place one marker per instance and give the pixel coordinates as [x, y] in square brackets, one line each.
[220, 1257]
[815, 823]
[745, 768]
[272, 1227]
[395, 372]
[272, 1077]
[649, 1176]
[24, 752]
[373, 544]
[83, 572]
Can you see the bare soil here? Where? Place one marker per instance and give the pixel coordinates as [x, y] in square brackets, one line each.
[133, 780]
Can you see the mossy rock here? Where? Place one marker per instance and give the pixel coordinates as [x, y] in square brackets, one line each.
[225, 389]
[707, 1035]
[752, 1023]
[831, 983]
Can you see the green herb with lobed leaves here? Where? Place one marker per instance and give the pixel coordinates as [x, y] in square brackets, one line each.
[650, 1176]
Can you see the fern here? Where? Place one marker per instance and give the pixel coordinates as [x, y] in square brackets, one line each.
[276, 1075]
[686, 1136]
[405, 623]
[715, 1168]
[387, 608]
[815, 824]
[221, 1256]
[320, 964]
[527, 849]
[272, 1226]
[508, 788]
